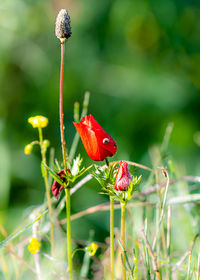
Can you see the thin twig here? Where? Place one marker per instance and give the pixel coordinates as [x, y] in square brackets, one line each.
[184, 199]
[153, 189]
[103, 207]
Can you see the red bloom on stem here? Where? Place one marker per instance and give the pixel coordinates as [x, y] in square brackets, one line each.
[57, 187]
[97, 143]
[123, 177]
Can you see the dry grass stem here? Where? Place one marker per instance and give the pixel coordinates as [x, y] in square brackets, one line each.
[155, 263]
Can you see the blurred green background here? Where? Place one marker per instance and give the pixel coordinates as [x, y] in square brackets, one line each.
[140, 61]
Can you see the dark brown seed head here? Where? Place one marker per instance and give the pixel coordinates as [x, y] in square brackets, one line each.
[63, 26]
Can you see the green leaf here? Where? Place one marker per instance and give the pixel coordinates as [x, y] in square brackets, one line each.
[124, 265]
[133, 187]
[12, 236]
[54, 175]
[43, 170]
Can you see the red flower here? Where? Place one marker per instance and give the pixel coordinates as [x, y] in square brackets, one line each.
[56, 187]
[98, 143]
[123, 177]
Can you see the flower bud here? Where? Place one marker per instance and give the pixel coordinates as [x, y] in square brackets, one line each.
[56, 187]
[28, 149]
[123, 177]
[63, 26]
[46, 143]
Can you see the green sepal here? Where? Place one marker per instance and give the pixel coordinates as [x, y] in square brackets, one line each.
[68, 179]
[132, 188]
[55, 176]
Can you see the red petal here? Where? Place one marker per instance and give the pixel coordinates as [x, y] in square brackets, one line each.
[92, 136]
[89, 141]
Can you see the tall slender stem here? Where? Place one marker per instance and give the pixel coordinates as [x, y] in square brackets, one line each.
[62, 44]
[69, 248]
[64, 154]
[169, 240]
[45, 176]
[112, 253]
[123, 209]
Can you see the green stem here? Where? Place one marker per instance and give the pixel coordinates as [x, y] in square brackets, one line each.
[45, 176]
[69, 247]
[112, 253]
[64, 154]
[123, 209]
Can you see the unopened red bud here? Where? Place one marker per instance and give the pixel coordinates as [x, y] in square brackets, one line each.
[123, 177]
[57, 187]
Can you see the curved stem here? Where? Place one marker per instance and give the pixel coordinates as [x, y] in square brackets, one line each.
[123, 209]
[69, 248]
[45, 176]
[112, 253]
[61, 106]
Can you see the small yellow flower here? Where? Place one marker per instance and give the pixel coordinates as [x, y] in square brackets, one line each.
[34, 245]
[38, 121]
[28, 149]
[92, 248]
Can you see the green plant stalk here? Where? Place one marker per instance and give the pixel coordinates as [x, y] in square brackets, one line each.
[64, 154]
[123, 209]
[69, 247]
[169, 241]
[198, 265]
[45, 176]
[112, 252]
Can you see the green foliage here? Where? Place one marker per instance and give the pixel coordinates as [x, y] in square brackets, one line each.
[106, 178]
[70, 177]
[131, 269]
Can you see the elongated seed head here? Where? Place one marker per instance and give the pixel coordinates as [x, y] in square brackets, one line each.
[63, 26]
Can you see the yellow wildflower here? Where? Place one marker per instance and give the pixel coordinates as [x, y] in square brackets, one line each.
[34, 245]
[92, 248]
[28, 149]
[38, 121]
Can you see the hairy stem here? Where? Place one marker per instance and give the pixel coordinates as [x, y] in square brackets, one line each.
[45, 176]
[112, 253]
[61, 106]
[64, 154]
[123, 209]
